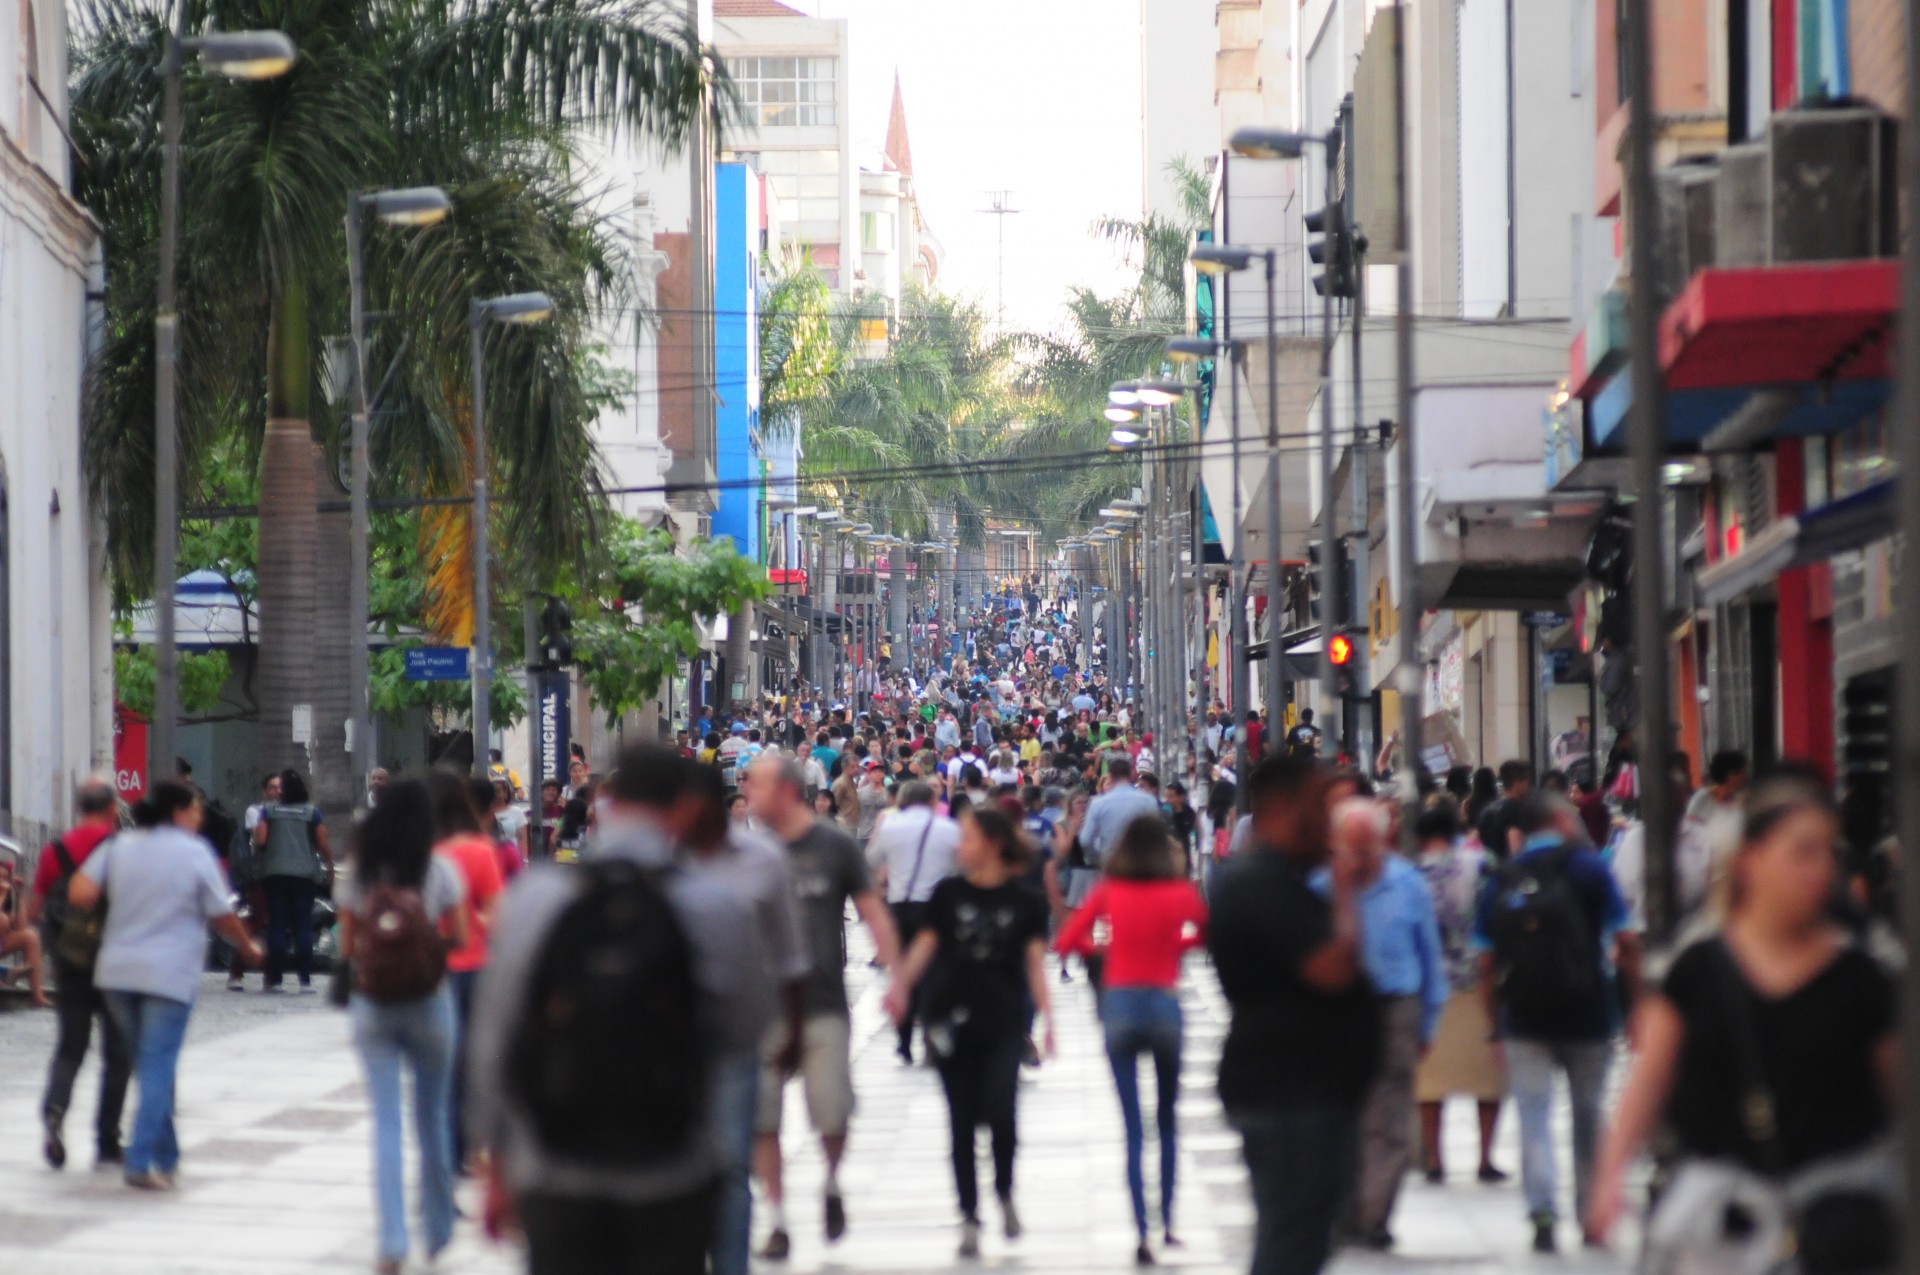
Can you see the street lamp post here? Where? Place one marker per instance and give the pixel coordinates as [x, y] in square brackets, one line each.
[243, 55]
[421, 206]
[516, 308]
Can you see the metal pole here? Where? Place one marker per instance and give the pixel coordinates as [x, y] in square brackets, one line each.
[1237, 595]
[482, 657]
[1653, 737]
[166, 459]
[1330, 707]
[1409, 675]
[1276, 592]
[359, 724]
[1906, 709]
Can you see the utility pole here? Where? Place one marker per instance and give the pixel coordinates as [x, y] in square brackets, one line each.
[1409, 675]
[1000, 208]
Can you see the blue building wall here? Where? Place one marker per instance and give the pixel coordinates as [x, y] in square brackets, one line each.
[736, 355]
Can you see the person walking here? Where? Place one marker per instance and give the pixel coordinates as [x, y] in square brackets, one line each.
[915, 850]
[829, 872]
[394, 906]
[1770, 1050]
[78, 1001]
[1304, 1041]
[162, 887]
[1461, 1060]
[1400, 946]
[1545, 930]
[1153, 915]
[460, 839]
[295, 859]
[1110, 813]
[984, 941]
[601, 1176]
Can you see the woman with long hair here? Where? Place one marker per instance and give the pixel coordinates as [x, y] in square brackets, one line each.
[163, 886]
[1153, 915]
[462, 840]
[1771, 1045]
[984, 939]
[394, 859]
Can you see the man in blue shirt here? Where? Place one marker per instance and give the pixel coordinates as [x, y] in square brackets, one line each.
[1109, 814]
[1545, 931]
[1400, 949]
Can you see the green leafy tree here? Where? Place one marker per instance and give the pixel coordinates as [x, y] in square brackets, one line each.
[480, 98]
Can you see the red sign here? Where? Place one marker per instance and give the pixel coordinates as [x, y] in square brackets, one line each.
[129, 753]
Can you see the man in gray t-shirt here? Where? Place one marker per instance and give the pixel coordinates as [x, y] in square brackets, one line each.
[828, 872]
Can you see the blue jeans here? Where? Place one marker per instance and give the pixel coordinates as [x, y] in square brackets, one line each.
[736, 1091]
[1301, 1161]
[289, 927]
[421, 1034]
[1531, 1065]
[154, 1027]
[1146, 1020]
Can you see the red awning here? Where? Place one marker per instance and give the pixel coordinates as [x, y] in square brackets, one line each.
[785, 576]
[1781, 325]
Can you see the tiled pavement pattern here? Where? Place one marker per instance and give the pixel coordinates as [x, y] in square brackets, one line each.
[276, 1170]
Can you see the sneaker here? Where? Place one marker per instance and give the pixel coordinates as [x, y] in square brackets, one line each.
[1143, 1256]
[836, 1216]
[1543, 1241]
[969, 1240]
[55, 1149]
[308, 989]
[1379, 1239]
[274, 989]
[236, 985]
[1030, 1057]
[1491, 1175]
[150, 1180]
[110, 1158]
[1011, 1217]
[1437, 1175]
[777, 1247]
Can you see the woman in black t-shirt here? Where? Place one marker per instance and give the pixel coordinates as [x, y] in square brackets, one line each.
[1816, 1010]
[983, 950]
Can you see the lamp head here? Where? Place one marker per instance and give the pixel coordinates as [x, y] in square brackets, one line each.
[243, 55]
[517, 307]
[413, 206]
[1220, 258]
[1190, 349]
[1123, 438]
[1162, 393]
[1270, 143]
[1121, 415]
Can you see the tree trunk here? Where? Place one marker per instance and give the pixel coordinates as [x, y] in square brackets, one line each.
[740, 658]
[333, 650]
[289, 527]
[899, 635]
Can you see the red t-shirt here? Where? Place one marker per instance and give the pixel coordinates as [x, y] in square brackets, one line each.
[81, 842]
[480, 869]
[1152, 922]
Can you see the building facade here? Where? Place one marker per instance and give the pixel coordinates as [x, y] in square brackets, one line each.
[56, 668]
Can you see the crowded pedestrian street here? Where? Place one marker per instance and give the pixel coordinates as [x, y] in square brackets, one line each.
[275, 1178]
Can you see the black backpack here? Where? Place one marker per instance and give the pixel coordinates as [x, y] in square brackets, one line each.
[607, 1061]
[57, 910]
[1545, 953]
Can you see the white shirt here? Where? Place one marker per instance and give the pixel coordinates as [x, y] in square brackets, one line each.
[918, 848]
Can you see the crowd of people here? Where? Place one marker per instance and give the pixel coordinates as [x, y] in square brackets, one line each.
[603, 1025]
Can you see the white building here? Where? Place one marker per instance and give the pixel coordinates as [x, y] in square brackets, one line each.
[896, 247]
[792, 74]
[56, 667]
[1178, 117]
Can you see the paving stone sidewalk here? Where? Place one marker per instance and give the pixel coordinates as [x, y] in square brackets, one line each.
[277, 1165]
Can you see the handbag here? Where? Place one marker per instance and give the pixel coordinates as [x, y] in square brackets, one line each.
[1836, 1216]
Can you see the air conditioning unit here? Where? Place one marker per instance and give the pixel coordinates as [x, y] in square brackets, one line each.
[1821, 187]
[1684, 207]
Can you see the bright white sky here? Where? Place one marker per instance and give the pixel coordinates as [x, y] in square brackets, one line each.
[1037, 97]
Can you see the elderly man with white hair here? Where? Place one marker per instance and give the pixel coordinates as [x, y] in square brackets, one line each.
[1400, 949]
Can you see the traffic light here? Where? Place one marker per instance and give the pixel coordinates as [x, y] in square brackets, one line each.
[556, 634]
[1340, 650]
[1333, 251]
[1348, 660]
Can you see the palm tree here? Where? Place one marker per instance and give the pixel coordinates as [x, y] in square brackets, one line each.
[479, 96]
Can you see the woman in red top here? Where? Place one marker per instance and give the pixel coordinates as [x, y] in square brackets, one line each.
[1153, 914]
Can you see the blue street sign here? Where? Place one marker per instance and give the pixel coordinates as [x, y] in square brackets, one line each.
[436, 664]
[555, 725]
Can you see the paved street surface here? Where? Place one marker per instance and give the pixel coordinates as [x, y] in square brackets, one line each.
[277, 1165]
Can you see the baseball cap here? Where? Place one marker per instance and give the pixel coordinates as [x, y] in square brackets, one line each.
[739, 728]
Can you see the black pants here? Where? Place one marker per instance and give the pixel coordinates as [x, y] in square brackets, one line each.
[79, 1003]
[982, 1080]
[289, 928]
[907, 919]
[1301, 1162]
[577, 1236]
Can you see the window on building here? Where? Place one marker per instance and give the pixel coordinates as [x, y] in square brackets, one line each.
[787, 92]
[877, 231]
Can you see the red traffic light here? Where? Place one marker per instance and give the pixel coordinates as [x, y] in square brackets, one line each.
[1340, 649]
